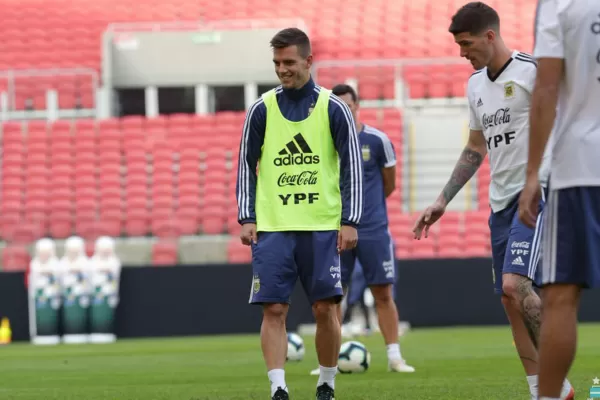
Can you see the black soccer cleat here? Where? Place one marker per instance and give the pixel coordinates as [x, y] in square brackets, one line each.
[325, 392]
[280, 394]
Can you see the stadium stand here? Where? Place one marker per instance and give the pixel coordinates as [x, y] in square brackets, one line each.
[73, 30]
[135, 177]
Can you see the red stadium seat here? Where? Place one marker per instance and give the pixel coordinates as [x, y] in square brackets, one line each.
[61, 225]
[187, 221]
[237, 253]
[213, 220]
[137, 222]
[15, 258]
[165, 228]
[233, 226]
[164, 253]
[110, 224]
[26, 232]
[86, 226]
[424, 248]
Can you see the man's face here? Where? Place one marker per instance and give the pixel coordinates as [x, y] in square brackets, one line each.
[291, 68]
[478, 49]
[352, 105]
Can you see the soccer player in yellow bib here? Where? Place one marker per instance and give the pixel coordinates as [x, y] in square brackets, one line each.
[294, 212]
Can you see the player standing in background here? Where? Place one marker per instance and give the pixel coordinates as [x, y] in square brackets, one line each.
[375, 248]
[499, 95]
[567, 47]
[355, 296]
[292, 212]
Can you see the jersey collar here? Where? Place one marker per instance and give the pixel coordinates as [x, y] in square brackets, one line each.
[304, 91]
[493, 78]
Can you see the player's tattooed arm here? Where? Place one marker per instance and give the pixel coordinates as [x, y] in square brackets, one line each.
[467, 166]
[469, 162]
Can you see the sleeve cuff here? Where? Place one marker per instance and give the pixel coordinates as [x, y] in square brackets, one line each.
[348, 223]
[389, 164]
[247, 221]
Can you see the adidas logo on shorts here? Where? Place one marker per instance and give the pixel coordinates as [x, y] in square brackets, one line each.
[518, 261]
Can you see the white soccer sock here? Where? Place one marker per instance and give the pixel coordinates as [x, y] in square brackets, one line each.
[565, 389]
[533, 384]
[393, 352]
[277, 379]
[327, 376]
[549, 398]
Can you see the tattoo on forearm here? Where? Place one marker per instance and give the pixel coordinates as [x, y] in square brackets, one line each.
[467, 165]
[531, 307]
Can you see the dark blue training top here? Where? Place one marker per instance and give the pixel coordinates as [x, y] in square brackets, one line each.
[295, 105]
[377, 153]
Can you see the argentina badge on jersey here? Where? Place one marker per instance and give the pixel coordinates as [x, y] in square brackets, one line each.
[366, 152]
[509, 90]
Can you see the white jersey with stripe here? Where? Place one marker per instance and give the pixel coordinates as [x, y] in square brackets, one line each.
[499, 107]
[570, 30]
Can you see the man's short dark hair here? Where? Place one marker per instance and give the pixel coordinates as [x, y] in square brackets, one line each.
[342, 89]
[292, 37]
[475, 18]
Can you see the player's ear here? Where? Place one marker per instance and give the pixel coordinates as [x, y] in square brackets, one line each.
[490, 35]
[309, 60]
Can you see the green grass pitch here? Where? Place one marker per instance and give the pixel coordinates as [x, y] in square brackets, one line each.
[466, 363]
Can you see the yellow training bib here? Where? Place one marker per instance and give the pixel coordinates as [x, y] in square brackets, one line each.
[298, 187]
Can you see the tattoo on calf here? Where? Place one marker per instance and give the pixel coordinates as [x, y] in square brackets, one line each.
[467, 165]
[529, 359]
[531, 308]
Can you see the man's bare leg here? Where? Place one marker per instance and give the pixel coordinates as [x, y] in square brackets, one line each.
[558, 338]
[327, 340]
[387, 315]
[524, 311]
[340, 309]
[339, 314]
[273, 340]
[523, 308]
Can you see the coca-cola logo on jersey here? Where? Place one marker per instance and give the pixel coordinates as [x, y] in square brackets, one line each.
[302, 179]
[501, 116]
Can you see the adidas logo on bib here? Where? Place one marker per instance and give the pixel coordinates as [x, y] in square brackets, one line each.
[296, 152]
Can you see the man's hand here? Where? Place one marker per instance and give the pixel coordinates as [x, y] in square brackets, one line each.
[248, 234]
[529, 201]
[347, 238]
[428, 218]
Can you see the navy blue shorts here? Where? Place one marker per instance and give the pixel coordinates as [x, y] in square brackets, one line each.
[280, 258]
[358, 285]
[515, 246]
[375, 252]
[571, 240]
